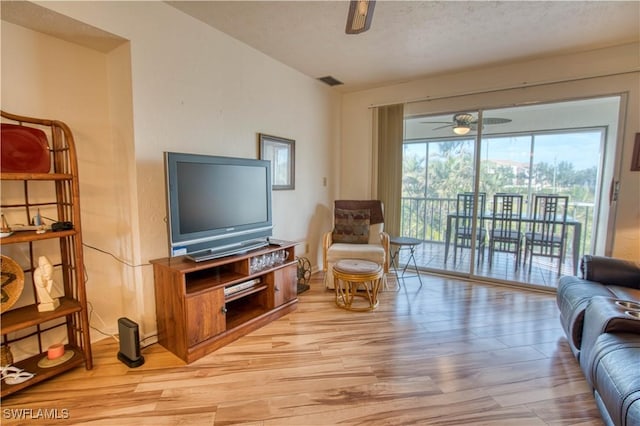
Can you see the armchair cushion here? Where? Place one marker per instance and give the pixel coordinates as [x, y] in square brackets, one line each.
[335, 252]
[374, 207]
[351, 226]
[375, 233]
[372, 252]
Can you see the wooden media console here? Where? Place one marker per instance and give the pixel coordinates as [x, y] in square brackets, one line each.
[203, 306]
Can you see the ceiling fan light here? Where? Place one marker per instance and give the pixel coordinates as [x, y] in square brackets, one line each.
[461, 130]
[363, 5]
[360, 16]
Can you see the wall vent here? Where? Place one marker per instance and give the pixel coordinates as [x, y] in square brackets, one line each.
[330, 81]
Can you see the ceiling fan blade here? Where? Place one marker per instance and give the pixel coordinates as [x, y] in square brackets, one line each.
[442, 127]
[462, 121]
[495, 120]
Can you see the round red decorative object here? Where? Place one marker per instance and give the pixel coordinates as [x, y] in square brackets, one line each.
[55, 351]
[24, 150]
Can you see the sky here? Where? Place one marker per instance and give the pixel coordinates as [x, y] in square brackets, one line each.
[582, 149]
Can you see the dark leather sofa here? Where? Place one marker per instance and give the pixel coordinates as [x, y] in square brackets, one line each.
[600, 314]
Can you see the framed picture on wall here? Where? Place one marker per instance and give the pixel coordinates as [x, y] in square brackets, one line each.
[281, 153]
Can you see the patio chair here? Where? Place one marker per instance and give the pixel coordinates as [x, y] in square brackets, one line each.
[358, 233]
[506, 226]
[463, 224]
[547, 232]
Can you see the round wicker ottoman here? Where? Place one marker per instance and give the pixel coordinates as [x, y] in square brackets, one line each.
[352, 275]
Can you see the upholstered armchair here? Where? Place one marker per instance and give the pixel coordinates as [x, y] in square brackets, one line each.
[358, 233]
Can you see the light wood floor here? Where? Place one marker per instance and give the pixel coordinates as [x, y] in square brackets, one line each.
[450, 353]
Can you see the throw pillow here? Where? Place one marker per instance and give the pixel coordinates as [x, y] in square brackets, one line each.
[351, 226]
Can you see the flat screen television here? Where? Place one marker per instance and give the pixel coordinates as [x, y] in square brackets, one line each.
[217, 206]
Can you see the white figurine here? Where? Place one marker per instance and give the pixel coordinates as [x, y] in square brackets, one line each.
[43, 278]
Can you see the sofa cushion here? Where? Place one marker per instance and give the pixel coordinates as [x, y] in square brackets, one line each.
[605, 335]
[615, 364]
[611, 271]
[604, 315]
[572, 297]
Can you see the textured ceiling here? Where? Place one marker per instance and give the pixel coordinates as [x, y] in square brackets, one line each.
[412, 39]
[407, 39]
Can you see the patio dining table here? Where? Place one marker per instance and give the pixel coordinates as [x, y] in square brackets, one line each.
[577, 234]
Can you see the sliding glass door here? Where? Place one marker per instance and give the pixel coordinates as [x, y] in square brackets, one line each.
[564, 162]
[559, 148]
[438, 170]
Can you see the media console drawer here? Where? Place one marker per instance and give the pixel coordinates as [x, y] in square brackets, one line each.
[203, 306]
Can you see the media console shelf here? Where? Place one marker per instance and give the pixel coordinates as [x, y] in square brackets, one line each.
[203, 306]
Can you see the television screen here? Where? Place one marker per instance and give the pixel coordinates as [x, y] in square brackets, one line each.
[220, 196]
[217, 205]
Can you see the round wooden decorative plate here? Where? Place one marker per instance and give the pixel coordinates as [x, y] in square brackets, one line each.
[12, 282]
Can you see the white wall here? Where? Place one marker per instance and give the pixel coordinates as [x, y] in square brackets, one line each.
[46, 77]
[187, 88]
[539, 80]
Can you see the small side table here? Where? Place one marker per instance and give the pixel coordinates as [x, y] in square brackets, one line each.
[405, 243]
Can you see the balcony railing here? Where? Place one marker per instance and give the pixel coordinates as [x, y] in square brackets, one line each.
[426, 219]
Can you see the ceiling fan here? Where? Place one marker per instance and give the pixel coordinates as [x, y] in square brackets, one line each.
[464, 122]
[360, 16]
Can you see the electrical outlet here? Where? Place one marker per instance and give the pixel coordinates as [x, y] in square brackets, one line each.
[324, 181]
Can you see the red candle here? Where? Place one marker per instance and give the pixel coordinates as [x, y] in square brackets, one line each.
[55, 351]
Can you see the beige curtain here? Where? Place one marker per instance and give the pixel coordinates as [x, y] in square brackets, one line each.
[388, 136]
